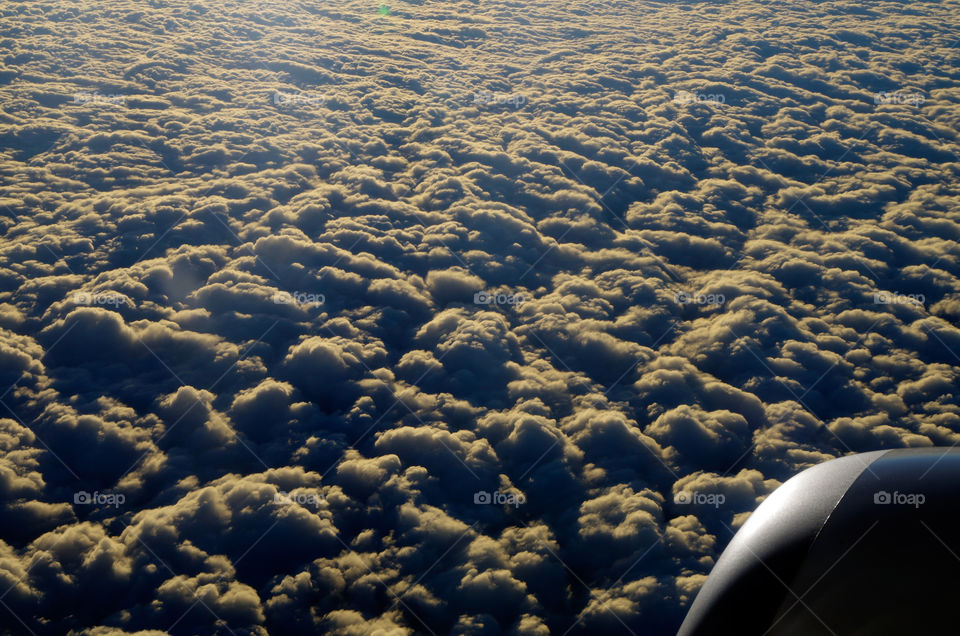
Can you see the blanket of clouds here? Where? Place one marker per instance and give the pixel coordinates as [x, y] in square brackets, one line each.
[448, 316]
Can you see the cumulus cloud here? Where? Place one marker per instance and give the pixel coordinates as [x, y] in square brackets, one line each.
[448, 318]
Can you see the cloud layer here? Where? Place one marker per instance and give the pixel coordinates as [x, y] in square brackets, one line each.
[452, 318]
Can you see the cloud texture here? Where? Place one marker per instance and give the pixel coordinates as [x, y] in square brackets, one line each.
[448, 317]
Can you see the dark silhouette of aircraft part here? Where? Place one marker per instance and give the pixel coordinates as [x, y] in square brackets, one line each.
[867, 544]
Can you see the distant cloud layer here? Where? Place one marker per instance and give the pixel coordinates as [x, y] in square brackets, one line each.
[447, 317]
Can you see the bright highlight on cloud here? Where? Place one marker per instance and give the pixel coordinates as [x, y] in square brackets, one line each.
[447, 317]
